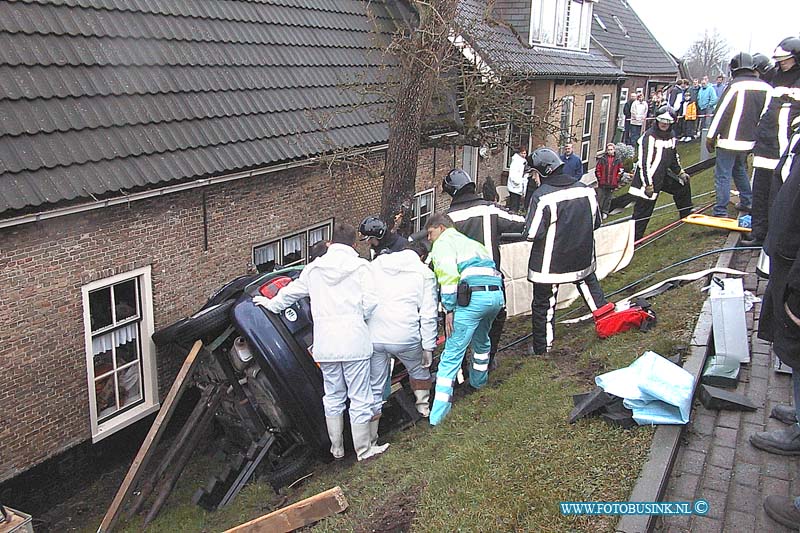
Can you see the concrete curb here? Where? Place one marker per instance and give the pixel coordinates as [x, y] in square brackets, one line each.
[652, 481]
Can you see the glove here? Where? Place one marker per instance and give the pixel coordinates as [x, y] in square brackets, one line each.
[262, 301]
[792, 306]
[427, 358]
[710, 144]
[685, 177]
[648, 190]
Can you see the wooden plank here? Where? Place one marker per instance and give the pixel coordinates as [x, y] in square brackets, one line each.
[298, 514]
[153, 436]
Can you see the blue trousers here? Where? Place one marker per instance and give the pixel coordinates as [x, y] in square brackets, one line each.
[471, 325]
[731, 164]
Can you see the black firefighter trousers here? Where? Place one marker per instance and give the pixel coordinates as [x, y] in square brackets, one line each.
[643, 210]
[543, 308]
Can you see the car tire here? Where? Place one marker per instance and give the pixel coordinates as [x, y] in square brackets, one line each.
[200, 325]
[230, 290]
[295, 465]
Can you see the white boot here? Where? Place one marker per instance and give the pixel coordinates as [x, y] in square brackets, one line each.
[335, 433]
[361, 442]
[373, 432]
[423, 407]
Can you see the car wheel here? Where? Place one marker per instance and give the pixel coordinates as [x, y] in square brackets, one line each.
[230, 290]
[200, 325]
[291, 466]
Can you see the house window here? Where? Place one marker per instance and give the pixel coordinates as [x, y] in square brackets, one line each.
[291, 250]
[623, 99]
[587, 117]
[518, 135]
[120, 358]
[605, 105]
[600, 22]
[564, 23]
[585, 154]
[421, 209]
[566, 120]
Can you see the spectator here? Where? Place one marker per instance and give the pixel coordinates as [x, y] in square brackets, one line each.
[706, 102]
[638, 117]
[734, 132]
[626, 112]
[489, 190]
[676, 99]
[608, 172]
[572, 163]
[719, 86]
[517, 179]
[689, 118]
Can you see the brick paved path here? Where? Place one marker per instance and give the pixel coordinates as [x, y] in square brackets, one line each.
[716, 461]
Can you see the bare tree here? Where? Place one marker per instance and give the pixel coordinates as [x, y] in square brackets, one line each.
[706, 54]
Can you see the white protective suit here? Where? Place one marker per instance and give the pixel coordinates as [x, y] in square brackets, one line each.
[517, 180]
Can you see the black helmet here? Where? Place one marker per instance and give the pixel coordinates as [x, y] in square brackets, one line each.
[787, 48]
[762, 63]
[742, 61]
[546, 162]
[666, 114]
[372, 227]
[457, 180]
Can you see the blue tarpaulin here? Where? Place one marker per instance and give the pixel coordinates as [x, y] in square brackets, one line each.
[655, 389]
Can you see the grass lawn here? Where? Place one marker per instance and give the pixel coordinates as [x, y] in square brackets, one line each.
[506, 455]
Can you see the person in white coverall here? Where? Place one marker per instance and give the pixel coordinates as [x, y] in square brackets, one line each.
[404, 324]
[342, 299]
[517, 180]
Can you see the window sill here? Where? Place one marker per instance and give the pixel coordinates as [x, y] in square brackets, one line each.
[115, 424]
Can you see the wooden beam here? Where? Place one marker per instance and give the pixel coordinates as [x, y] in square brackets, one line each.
[298, 514]
[153, 436]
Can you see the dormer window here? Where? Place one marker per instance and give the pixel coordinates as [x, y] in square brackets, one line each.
[562, 23]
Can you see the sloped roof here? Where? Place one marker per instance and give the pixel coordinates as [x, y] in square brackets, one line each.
[500, 47]
[626, 35]
[102, 96]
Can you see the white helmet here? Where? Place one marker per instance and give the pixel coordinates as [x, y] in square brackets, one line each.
[665, 114]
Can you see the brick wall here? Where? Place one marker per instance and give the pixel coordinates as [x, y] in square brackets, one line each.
[43, 265]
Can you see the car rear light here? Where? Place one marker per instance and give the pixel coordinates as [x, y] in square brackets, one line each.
[271, 288]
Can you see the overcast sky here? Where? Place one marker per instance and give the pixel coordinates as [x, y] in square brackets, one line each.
[747, 26]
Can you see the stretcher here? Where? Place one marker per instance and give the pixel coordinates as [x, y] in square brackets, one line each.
[730, 224]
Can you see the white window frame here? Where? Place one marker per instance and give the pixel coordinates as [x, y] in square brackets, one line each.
[588, 113]
[304, 232]
[623, 99]
[569, 17]
[149, 371]
[469, 160]
[585, 149]
[415, 215]
[565, 134]
[602, 136]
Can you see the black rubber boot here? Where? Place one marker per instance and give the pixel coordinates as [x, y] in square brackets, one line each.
[781, 441]
[784, 413]
[782, 510]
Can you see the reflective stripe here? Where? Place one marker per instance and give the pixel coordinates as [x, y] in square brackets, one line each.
[764, 162]
[734, 145]
[441, 397]
[445, 382]
[449, 289]
[481, 368]
[479, 271]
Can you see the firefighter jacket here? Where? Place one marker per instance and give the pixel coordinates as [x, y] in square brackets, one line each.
[484, 221]
[561, 222]
[455, 258]
[772, 135]
[407, 301]
[738, 113]
[391, 242]
[608, 171]
[658, 154]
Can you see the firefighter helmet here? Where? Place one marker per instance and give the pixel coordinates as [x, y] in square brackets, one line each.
[457, 180]
[762, 63]
[789, 47]
[665, 114]
[742, 61]
[372, 227]
[546, 162]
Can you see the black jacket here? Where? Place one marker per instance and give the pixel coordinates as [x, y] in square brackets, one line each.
[738, 112]
[772, 131]
[484, 221]
[391, 242]
[561, 221]
[658, 154]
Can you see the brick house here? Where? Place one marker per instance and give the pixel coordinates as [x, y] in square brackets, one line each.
[150, 152]
[571, 83]
[622, 34]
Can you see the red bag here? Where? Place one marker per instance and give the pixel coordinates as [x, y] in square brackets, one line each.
[609, 322]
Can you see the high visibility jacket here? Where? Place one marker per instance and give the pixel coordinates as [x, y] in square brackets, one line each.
[772, 132]
[738, 113]
[456, 257]
[561, 222]
[658, 151]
